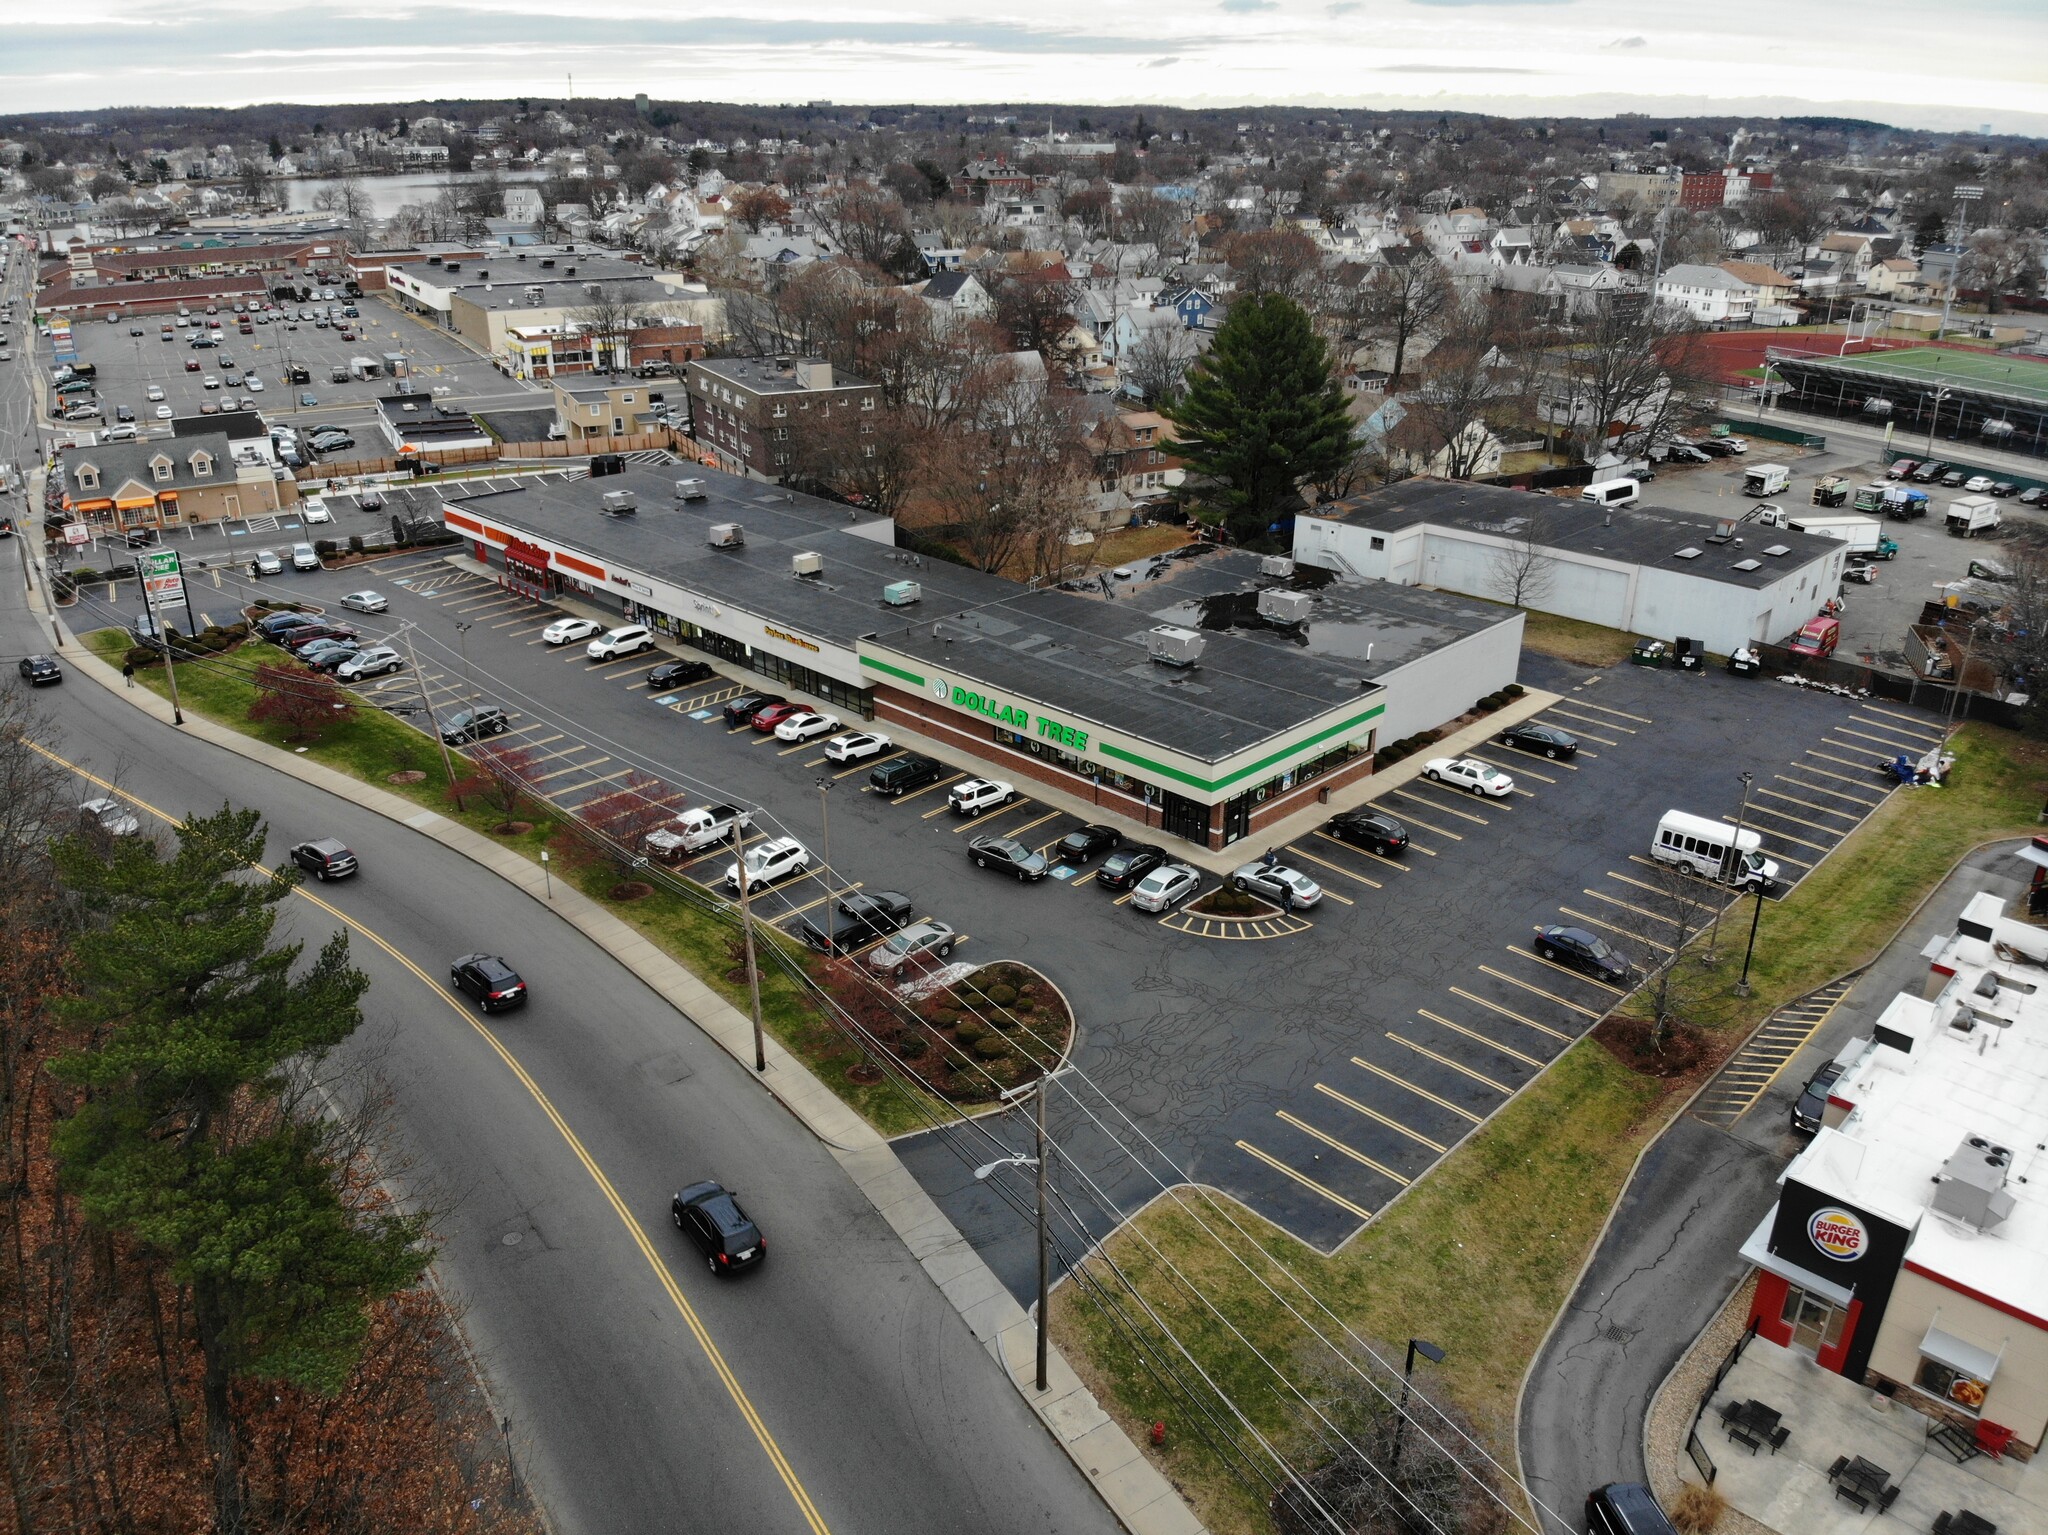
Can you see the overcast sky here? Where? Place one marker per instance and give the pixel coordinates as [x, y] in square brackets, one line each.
[1923, 63]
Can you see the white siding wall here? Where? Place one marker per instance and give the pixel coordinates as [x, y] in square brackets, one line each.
[1445, 683]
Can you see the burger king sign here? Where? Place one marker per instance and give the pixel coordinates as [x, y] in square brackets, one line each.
[1838, 1234]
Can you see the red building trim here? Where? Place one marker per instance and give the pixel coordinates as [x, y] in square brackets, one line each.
[1767, 1308]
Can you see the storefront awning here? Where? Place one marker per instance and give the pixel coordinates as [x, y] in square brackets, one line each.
[1977, 1363]
[167, 495]
[135, 503]
[101, 505]
[1757, 1250]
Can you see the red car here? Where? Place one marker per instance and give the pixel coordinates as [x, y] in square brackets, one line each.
[191, 365]
[775, 714]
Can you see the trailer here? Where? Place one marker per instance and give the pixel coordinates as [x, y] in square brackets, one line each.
[1863, 535]
[362, 367]
[1831, 490]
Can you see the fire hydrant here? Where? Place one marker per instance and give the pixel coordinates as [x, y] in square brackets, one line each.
[1159, 1433]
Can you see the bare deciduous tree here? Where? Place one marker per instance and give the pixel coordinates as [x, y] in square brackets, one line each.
[1523, 572]
[1158, 362]
[1404, 296]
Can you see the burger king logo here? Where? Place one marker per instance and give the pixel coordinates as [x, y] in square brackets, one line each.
[1837, 1233]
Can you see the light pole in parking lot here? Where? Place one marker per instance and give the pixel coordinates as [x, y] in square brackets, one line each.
[1934, 417]
[1714, 937]
[462, 639]
[825, 821]
[1434, 1353]
[1742, 986]
[739, 867]
[1036, 1163]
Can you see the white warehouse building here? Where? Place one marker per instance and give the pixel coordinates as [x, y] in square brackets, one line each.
[1649, 570]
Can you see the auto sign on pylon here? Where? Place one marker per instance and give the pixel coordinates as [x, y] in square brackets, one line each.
[162, 578]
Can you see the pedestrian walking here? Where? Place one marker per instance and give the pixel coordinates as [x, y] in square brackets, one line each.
[128, 673]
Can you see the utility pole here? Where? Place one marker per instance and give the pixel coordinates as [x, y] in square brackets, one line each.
[739, 832]
[825, 820]
[163, 638]
[433, 727]
[1714, 937]
[1037, 1163]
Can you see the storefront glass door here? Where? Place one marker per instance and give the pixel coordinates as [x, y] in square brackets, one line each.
[1816, 1323]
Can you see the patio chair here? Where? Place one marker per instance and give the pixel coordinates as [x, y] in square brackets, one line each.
[1841, 1464]
[1886, 1498]
[1942, 1521]
[1778, 1437]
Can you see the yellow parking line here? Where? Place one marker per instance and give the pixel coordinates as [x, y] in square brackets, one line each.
[1305, 1181]
[1551, 964]
[1780, 854]
[943, 783]
[1331, 895]
[1392, 863]
[1508, 1012]
[1889, 739]
[1772, 831]
[1338, 1146]
[1639, 884]
[532, 745]
[637, 664]
[1862, 780]
[1300, 852]
[1866, 764]
[1018, 831]
[1548, 996]
[1585, 703]
[589, 783]
[1490, 1043]
[1814, 788]
[801, 746]
[1627, 933]
[574, 767]
[1579, 729]
[1079, 880]
[1420, 1092]
[1917, 726]
[1444, 1060]
[1516, 767]
[864, 765]
[1377, 1117]
[1441, 809]
[1444, 807]
[1793, 799]
[831, 893]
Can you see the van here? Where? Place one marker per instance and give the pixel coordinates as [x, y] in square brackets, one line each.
[1612, 492]
[1816, 639]
[1625, 1508]
[1713, 850]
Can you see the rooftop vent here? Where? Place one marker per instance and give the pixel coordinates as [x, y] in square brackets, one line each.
[1276, 565]
[433, 261]
[1170, 645]
[1687, 553]
[727, 535]
[1970, 1188]
[1724, 530]
[1777, 551]
[901, 594]
[547, 261]
[570, 270]
[807, 564]
[481, 272]
[520, 257]
[452, 266]
[1748, 565]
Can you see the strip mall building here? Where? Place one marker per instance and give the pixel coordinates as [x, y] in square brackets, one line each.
[1278, 688]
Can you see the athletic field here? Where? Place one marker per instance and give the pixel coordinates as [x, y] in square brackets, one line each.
[1934, 366]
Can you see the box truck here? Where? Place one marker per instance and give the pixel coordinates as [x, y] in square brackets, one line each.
[1969, 516]
[1762, 480]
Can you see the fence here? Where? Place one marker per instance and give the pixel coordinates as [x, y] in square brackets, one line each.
[1798, 437]
[583, 447]
[1693, 1446]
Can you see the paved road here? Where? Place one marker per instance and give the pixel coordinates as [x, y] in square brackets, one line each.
[1670, 1258]
[890, 1415]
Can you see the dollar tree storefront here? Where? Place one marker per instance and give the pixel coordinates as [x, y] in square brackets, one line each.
[1175, 769]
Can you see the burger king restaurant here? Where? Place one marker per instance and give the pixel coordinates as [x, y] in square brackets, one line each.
[1908, 1248]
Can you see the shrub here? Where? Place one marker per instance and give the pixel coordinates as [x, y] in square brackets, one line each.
[913, 1047]
[991, 1047]
[324, 547]
[1002, 995]
[970, 1033]
[355, 543]
[1697, 1510]
[1514, 690]
[139, 656]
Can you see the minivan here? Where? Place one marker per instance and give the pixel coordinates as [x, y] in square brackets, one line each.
[1625, 1508]
[901, 774]
[1612, 492]
[1714, 850]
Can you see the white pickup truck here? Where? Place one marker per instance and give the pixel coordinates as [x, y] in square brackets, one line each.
[695, 829]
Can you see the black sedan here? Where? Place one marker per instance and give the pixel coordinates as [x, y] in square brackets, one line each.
[1579, 950]
[1009, 855]
[38, 671]
[679, 674]
[495, 984]
[325, 858]
[1544, 740]
[474, 724]
[1373, 830]
[709, 1214]
[858, 918]
[1130, 863]
[1081, 845]
[741, 711]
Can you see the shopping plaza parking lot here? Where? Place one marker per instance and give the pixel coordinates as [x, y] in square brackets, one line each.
[1313, 1065]
[129, 365]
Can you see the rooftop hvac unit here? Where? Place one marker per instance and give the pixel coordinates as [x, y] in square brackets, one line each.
[1276, 565]
[535, 293]
[548, 261]
[1278, 607]
[451, 266]
[806, 564]
[727, 535]
[901, 594]
[1172, 646]
[692, 490]
[620, 503]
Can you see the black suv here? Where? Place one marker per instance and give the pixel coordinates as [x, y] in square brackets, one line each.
[679, 674]
[38, 670]
[474, 724]
[709, 1214]
[495, 984]
[325, 858]
[899, 775]
[1369, 829]
[1625, 1508]
[1812, 1105]
[276, 625]
[857, 919]
[1130, 863]
[741, 711]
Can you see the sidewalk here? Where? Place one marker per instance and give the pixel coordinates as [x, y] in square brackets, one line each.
[1135, 1491]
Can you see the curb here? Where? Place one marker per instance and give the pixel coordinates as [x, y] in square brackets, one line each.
[1140, 1498]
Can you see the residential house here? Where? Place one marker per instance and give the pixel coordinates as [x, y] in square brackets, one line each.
[957, 297]
[1196, 309]
[1583, 288]
[1892, 277]
[614, 407]
[1134, 461]
[752, 412]
[1772, 286]
[1711, 295]
[187, 479]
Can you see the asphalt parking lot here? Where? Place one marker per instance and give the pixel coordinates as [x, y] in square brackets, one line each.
[437, 361]
[1313, 1068]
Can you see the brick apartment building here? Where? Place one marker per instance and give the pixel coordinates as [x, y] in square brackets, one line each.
[752, 412]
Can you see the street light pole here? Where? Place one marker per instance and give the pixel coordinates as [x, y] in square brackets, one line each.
[1435, 1355]
[1742, 986]
[462, 638]
[433, 726]
[1714, 937]
[739, 855]
[825, 820]
[1934, 418]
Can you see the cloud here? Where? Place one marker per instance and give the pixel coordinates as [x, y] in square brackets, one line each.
[1171, 58]
[1629, 42]
[1489, 2]
[1344, 7]
[1245, 7]
[1450, 69]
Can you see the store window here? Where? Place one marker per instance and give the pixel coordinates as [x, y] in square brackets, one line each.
[1958, 1387]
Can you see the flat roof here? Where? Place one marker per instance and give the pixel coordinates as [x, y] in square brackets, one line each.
[1083, 656]
[765, 375]
[1649, 536]
[1935, 367]
[1914, 1109]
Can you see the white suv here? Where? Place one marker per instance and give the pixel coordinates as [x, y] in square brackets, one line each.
[305, 557]
[776, 859]
[626, 641]
[979, 794]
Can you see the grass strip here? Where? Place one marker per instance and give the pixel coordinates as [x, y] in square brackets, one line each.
[370, 745]
[1480, 1255]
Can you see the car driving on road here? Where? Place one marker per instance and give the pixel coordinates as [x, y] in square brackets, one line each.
[109, 816]
[365, 602]
[709, 1214]
[1469, 773]
[40, 671]
[494, 984]
[266, 563]
[1809, 1110]
[325, 858]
